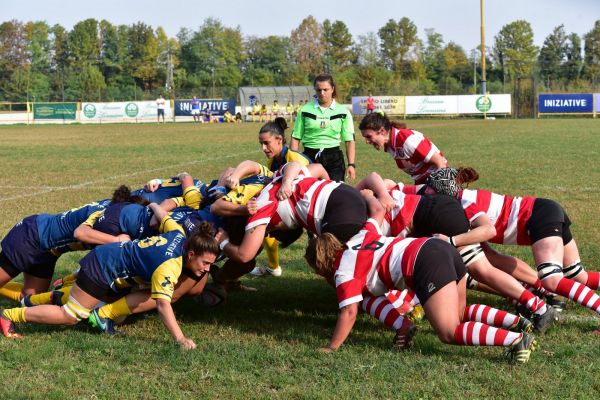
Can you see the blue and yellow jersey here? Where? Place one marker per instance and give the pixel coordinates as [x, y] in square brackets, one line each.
[249, 187]
[183, 216]
[285, 157]
[168, 188]
[132, 219]
[57, 230]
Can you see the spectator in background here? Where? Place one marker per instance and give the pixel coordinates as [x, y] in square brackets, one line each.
[195, 109]
[263, 113]
[256, 111]
[297, 109]
[160, 108]
[238, 118]
[275, 110]
[320, 127]
[289, 111]
[228, 117]
[370, 104]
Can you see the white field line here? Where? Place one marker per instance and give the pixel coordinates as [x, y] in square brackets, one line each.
[48, 189]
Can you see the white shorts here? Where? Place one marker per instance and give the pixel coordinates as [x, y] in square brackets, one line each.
[196, 112]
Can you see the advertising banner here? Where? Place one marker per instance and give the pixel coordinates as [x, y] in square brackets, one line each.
[566, 103]
[391, 105]
[597, 102]
[479, 104]
[431, 105]
[217, 107]
[128, 110]
[54, 111]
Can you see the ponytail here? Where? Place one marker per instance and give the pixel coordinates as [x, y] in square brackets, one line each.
[321, 253]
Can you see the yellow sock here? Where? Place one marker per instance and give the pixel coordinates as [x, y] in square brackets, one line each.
[69, 280]
[12, 291]
[16, 315]
[66, 291]
[272, 249]
[115, 310]
[49, 297]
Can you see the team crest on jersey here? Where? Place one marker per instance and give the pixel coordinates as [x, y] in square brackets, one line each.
[167, 282]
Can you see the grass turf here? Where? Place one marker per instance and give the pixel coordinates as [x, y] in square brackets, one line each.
[264, 344]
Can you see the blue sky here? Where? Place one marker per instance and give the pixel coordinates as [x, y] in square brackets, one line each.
[456, 20]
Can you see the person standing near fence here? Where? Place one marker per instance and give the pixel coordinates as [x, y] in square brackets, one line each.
[195, 109]
[160, 108]
[370, 104]
[321, 126]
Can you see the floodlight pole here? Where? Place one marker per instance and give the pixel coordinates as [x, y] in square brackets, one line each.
[483, 85]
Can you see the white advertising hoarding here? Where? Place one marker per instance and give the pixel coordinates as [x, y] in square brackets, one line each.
[478, 104]
[431, 105]
[123, 111]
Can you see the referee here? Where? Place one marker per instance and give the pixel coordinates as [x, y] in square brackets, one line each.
[321, 126]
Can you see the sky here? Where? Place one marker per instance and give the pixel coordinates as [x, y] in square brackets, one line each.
[456, 20]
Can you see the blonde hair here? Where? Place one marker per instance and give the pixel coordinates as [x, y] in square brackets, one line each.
[321, 254]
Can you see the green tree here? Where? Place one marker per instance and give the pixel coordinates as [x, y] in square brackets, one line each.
[84, 43]
[268, 61]
[571, 68]
[143, 54]
[13, 50]
[552, 55]
[455, 71]
[308, 46]
[591, 60]
[432, 54]
[338, 45]
[399, 43]
[38, 46]
[514, 49]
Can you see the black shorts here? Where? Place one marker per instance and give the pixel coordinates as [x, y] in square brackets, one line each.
[437, 264]
[439, 214]
[21, 248]
[331, 159]
[548, 219]
[91, 280]
[161, 112]
[345, 213]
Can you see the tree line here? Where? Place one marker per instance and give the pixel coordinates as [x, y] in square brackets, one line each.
[99, 61]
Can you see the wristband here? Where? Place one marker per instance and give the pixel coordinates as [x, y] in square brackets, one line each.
[352, 165]
[451, 240]
[223, 244]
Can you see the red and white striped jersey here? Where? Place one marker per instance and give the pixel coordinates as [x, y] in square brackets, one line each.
[508, 214]
[412, 152]
[305, 208]
[397, 221]
[373, 264]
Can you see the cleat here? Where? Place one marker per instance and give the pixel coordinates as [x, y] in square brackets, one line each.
[8, 327]
[542, 322]
[105, 325]
[558, 303]
[523, 311]
[417, 314]
[213, 295]
[521, 351]
[522, 325]
[261, 270]
[403, 338]
[26, 301]
[236, 286]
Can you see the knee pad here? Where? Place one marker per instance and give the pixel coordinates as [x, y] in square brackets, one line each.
[471, 253]
[573, 270]
[76, 310]
[548, 270]
[471, 282]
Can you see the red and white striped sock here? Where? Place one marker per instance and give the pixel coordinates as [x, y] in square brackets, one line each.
[479, 334]
[490, 316]
[381, 308]
[593, 280]
[532, 302]
[579, 293]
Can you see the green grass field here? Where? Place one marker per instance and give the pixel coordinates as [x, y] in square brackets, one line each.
[264, 344]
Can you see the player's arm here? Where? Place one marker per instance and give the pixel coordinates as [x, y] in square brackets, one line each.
[249, 247]
[345, 322]
[482, 230]
[85, 232]
[375, 182]
[244, 168]
[438, 160]
[168, 318]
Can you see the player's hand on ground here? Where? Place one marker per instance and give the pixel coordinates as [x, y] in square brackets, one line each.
[326, 349]
[187, 343]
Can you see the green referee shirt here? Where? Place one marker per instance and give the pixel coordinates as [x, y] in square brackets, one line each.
[323, 128]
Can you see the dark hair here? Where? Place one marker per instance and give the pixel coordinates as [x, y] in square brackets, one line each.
[377, 120]
[123, 195]
[202, 240]
[326, 78]
[466, 175]
[276, 127]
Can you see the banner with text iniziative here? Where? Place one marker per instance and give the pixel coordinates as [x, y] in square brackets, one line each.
[566, 103]
[217, 107]
[54, 110]
[391, 105]
[123, 111]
